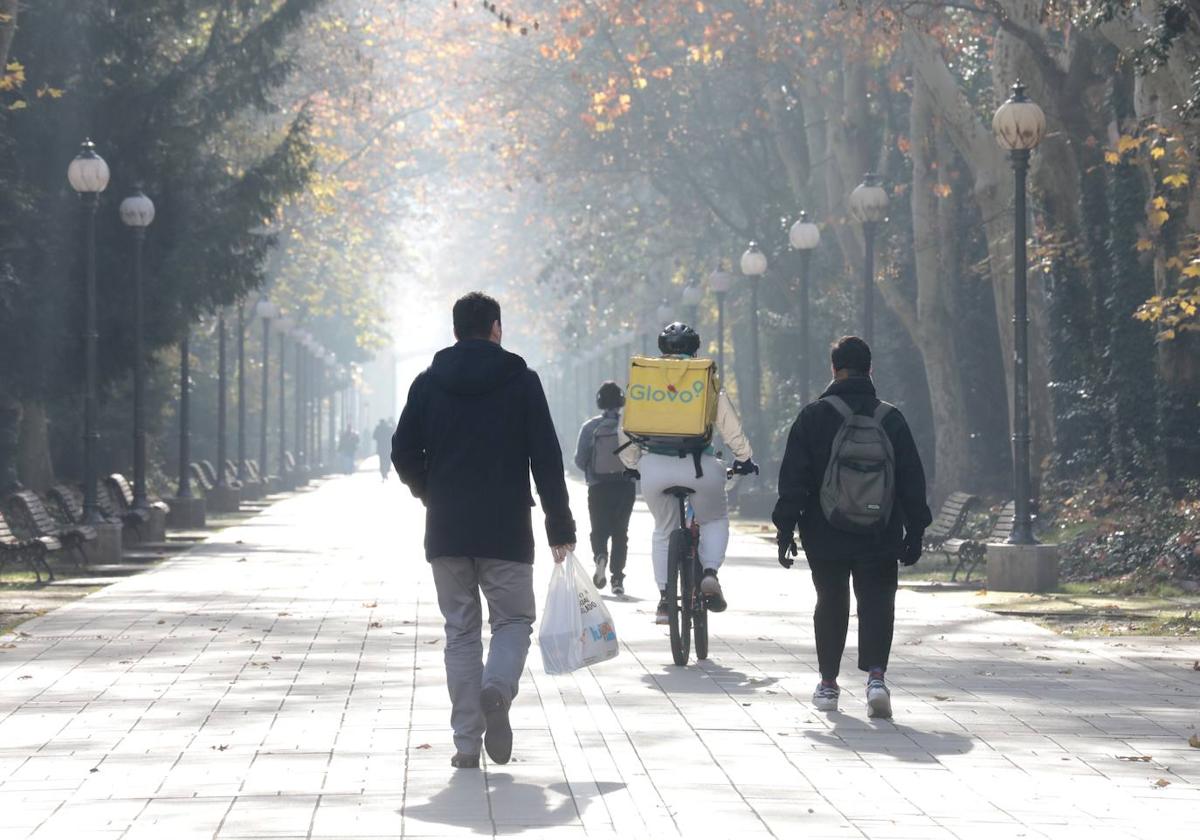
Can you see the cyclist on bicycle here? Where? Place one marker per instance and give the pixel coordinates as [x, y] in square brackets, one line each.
[668, 468]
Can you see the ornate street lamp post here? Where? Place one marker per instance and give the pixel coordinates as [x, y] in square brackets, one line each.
[242, 474]
[1019, 125]
[265, 310]
[869, 203]
[88, 176]
[222, 407]
[185, 431]
[137, 212]
[693, 294]
[284, 326]
[804, 237]
[754, 265]
[720, 282]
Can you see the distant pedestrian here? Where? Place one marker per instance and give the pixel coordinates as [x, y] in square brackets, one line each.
[475, 425]
[383, 445]
[611, 492]
[348, 449]
[853, 483]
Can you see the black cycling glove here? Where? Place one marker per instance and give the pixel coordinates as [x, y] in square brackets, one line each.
[787, 549]
[746, 467]
[913, 545]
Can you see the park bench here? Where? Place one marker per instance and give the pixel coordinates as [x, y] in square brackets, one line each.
[253, 471]
[971, 552]
[114, 497]
[200, 476]
[231, 474]
[210, 472]
[29, 507]
[949, 522]
[121, 493]
[24, 548]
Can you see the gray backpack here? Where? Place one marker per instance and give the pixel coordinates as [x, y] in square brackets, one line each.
[859, 487]
[605, 461]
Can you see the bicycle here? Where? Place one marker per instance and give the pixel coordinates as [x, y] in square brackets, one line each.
[687, 607]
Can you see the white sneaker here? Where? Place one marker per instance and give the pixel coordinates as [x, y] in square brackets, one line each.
[879, 699]
[825, 697]
[601, 566]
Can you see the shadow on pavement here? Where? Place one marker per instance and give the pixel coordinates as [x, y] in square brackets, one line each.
[855, 735]
[509, 806]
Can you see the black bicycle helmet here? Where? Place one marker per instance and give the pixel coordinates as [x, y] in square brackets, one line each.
[678, 339]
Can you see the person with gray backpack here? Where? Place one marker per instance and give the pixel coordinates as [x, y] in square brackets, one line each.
[853, 484]
[611, 491]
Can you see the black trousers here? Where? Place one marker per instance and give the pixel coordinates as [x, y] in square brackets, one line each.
[875, 580]
[610, 505]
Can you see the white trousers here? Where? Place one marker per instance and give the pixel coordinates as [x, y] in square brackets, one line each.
[712, 514]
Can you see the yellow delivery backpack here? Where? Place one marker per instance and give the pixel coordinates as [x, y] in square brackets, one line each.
[671, 404]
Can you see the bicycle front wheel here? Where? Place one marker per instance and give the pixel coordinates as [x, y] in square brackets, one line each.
[679, 594]
[699, 616]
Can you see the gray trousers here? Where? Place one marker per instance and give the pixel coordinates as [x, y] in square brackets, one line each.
[508, 587]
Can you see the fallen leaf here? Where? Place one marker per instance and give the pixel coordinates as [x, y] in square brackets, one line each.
[1162, 783]
[1065, 671]
[1194, 741]
[242, 560]
[283, 613]
[25, 677]
[981, 592]
[125, 662]
[220, 747]
[94, 770]
[940, 697]
[765, 639]
[432, 642]
[423, 746]
[161, 621]
[370, 605]
[239, 542]
[277, 658]
[1134, 757]
[7, 646]
[376, 624]
[1047, 658]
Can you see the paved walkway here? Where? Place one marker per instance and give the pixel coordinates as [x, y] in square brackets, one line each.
[285, 680]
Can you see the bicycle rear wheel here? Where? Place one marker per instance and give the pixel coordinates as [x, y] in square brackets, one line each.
[699, 615]
[679, 589]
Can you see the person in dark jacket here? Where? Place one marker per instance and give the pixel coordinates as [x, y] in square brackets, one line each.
[611, 493]
[835, 555]
[475, 425]
[383, 446]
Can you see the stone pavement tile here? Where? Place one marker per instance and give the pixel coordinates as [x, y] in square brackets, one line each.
[269, 816]
[76, 818]
[182, 817]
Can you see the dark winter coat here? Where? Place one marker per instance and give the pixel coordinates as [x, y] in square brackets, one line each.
[808, 450]
[475, 425]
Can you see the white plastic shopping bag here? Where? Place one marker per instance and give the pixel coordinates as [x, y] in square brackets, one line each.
[577, 629]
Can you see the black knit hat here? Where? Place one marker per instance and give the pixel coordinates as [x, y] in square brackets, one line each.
[610, 396]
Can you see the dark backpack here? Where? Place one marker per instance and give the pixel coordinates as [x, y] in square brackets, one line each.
[859, 487]
[605, 461]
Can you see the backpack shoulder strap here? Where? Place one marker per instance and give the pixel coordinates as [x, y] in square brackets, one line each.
[840, 405]
[882, 410]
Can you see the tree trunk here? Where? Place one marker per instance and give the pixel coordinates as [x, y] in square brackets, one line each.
[10, 425]
[34, 464]
[8, 29]
[938, 263]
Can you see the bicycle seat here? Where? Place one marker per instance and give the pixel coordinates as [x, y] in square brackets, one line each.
[679, 492]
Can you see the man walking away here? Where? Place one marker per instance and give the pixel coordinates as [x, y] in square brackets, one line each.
[610, 492]
[853, 483]
[383, 446]
[475, 425]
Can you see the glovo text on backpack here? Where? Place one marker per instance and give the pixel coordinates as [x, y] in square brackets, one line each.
[671, 404]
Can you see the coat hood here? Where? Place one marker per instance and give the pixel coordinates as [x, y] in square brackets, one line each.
[475, 366]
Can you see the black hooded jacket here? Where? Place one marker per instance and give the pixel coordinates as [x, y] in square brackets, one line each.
[808, 449]
[475, 424]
